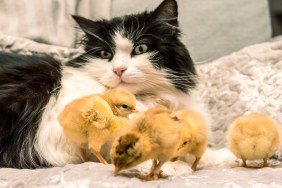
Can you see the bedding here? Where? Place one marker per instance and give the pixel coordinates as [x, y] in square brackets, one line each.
[244, 81]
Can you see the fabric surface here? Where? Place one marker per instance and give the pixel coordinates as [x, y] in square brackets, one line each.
[26, 46]
[101, 176]
[247, 80]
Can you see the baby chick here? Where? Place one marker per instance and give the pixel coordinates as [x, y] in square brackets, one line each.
[122, 102]
[254, 136]
[92, 120]
[194, 138]
[153, 134]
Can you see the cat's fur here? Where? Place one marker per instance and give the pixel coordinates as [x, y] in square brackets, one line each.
[140, 52]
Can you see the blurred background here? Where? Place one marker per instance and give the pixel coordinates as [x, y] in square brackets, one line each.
[211, 28]
[275, 7]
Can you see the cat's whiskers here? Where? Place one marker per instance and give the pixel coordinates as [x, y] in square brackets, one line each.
[99, 38]
[86, 58]
[181, 77]
[93, 50]
[123, 28]
[156, 86]
[152, 36]
[167, 20]
[139, 34]
[131, 32]
[158, 79]
[138, 31]
[55, 89]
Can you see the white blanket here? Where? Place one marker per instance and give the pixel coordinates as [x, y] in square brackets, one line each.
[245, 81]
[249, 80]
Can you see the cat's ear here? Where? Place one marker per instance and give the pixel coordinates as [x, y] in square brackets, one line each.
[85, 24]
[167, 11]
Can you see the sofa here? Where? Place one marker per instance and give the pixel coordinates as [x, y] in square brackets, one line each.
[238, 62]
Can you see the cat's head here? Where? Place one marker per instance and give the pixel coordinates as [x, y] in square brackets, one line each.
[140, 52]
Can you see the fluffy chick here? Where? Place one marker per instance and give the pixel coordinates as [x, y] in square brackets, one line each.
[122, 102]
[194, 138]
[91, 120]
[254, 136]
[153, 134]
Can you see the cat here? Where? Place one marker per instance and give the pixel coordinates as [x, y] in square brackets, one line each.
[141, 53]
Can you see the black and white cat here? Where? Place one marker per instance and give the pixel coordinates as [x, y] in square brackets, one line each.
[141, 52]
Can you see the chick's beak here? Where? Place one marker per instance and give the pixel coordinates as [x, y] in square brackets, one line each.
[179, 148]
[134, 110]
[117, 170]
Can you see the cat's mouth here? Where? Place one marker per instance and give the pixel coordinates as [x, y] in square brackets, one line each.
[122, 82]
[128, 83]
[125, 82]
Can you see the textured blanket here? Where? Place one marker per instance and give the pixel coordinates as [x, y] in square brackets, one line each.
[245, 81]
[249, 80]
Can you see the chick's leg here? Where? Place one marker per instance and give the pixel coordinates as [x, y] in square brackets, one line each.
[265, 164]
[154, 164]
[83, 154]
[95, 141]
[99, 156]
[196, 162]
[94, 147]
[244, 163]
[155, 172]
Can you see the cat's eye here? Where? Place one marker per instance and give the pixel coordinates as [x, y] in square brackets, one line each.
[105, 55]
[140, 49]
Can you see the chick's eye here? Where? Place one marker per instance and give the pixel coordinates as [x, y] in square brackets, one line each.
[124, 106]
[186, 142]
[105, 55]
[140, 49]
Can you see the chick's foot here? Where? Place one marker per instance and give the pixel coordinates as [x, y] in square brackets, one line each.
[152, 176]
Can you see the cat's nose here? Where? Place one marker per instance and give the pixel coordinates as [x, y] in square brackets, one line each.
[119, 70]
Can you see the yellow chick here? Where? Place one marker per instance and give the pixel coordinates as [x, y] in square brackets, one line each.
[194, 138]
[154, 135]
[122, 102]
[90, 121]
[254, 136]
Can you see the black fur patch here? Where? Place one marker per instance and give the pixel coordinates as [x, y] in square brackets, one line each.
[157, 29]
[26, 85]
